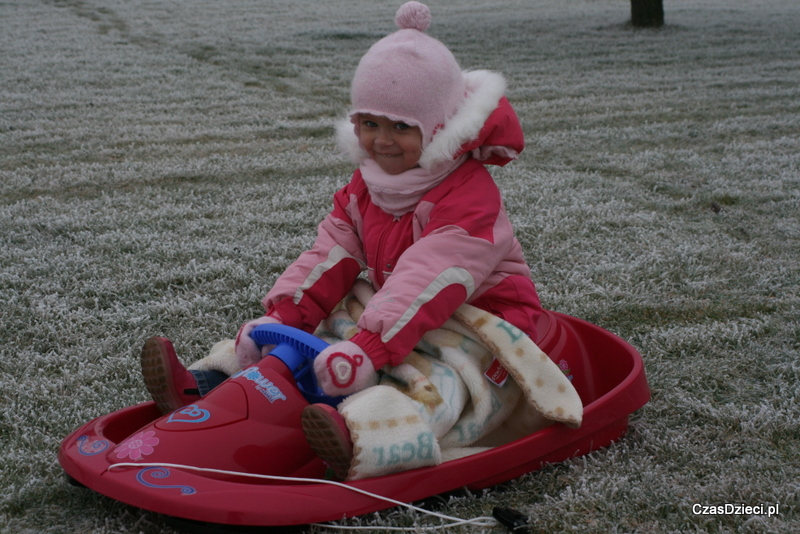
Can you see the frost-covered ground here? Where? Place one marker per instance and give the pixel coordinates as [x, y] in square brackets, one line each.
[161, 162]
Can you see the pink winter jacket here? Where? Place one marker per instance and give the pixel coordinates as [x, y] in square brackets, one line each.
[456, 246]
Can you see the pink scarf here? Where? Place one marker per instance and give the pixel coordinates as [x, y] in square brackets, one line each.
[397, 194]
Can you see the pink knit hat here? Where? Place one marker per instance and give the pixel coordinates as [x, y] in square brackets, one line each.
[409, 76]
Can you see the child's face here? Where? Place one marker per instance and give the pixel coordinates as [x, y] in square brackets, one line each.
[395, 146]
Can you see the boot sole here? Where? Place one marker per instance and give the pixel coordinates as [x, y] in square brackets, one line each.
[328, 439]
[157, 374]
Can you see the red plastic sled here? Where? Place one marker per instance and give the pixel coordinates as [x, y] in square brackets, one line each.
[255, 429]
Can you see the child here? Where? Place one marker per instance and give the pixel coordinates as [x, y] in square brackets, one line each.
[422, 215]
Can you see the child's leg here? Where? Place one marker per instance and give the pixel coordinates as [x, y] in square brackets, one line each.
[207, 380]
[221, 357]
[167, 380]
[391, 427]
[171, 385]
[328, 436]
[390, 432]
[374, 432]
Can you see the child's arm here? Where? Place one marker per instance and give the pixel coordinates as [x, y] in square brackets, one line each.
[467, 246]
[317, 281]
[311, 286]
[344, 368]
[247, 350]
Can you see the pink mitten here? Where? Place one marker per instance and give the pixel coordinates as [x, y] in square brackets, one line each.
[247, 352]
[344, 368]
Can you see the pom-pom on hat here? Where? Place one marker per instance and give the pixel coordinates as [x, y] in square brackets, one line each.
[409, 76]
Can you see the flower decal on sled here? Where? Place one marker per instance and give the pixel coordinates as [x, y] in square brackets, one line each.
[564, 366]
[137, 446]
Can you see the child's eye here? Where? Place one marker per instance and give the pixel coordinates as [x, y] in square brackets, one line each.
[402, 126]
[370, 124]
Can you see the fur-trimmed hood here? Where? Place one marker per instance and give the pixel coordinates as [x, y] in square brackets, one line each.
[485, 125]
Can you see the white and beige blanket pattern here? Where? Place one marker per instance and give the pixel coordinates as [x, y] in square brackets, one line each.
[438, 404]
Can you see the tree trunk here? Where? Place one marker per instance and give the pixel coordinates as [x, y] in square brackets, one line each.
[647, 13]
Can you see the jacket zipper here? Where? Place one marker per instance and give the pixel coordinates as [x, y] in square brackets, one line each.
[382, 269]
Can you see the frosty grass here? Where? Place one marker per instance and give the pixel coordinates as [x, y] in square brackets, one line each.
[162, 162]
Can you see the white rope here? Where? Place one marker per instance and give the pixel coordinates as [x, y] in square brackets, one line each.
[454, 521]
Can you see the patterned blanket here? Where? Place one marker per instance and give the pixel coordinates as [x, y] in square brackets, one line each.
[477, 382]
